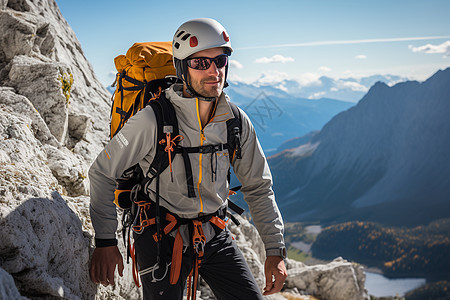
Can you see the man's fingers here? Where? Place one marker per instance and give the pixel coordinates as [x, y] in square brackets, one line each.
[278, 284]
[103, 275]
[269, 283]
[110, 274]
[92, 273]
[120, 267]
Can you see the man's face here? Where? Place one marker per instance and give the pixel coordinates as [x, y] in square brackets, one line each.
[210, 82]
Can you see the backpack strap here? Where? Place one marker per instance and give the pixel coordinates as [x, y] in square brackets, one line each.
[234, 130]
[151, 90]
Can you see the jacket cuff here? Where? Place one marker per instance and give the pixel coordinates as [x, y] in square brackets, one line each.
[281, 252]
[100, 243]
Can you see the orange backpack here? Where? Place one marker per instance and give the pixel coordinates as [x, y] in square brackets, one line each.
[143, 73]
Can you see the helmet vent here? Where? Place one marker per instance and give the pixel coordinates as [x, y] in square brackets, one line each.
[185, 36]
[180, 33]
[193, 42]
[177, 45]
[225, 36]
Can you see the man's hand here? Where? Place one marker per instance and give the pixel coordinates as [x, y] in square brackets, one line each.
[103, 265]
[274, 268]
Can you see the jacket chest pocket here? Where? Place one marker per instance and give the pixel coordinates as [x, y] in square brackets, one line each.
[218, 165]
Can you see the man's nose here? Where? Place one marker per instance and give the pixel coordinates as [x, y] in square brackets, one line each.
[213, 69]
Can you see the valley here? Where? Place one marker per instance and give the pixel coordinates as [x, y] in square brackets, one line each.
[396, 257]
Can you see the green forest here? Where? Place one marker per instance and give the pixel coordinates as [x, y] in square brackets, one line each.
[421, 251]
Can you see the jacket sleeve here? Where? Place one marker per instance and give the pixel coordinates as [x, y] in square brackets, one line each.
[253, 172]
[134, 142]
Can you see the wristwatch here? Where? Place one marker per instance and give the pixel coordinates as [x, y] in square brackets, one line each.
[281, 252]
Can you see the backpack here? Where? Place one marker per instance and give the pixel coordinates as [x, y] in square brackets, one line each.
[142, 74]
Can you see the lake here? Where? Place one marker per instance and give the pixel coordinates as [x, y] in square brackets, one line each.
[381, 286]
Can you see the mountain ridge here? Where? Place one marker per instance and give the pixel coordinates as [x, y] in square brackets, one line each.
[343, 89]
[369, 148]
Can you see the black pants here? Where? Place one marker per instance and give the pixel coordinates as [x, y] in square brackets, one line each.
[223, 267]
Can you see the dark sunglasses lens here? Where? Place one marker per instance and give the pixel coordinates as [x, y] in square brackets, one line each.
[203, 63]
[221, 60]
[200, 63]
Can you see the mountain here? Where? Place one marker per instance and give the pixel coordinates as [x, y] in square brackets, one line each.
[386, 159]
[280, 117]
[297, 141]
[345, 89]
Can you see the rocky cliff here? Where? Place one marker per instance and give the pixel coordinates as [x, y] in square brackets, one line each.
[53, 122]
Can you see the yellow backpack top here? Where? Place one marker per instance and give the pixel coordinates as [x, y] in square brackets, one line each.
[143, 73]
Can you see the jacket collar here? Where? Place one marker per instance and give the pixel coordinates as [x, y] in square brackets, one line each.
[189, 105]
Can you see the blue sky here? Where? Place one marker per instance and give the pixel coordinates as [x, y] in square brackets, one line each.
[279, 39]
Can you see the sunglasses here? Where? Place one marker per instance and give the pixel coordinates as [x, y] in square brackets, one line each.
[203, 63]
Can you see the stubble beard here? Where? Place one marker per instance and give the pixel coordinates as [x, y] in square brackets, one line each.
[212, 91]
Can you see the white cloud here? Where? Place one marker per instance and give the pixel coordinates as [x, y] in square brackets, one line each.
[277, 58]
[432, 49]
[324, 69]
[271, 77]
[277, 134]
[317, 95]
[309, 79]
[236, 78]
[282, 87]
[354, 86]
[234, 64]
[361, 56]
[348, 73]
[347, 42]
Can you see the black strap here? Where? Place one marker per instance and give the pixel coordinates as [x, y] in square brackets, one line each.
[139, 85]
[203, 149]
[234, 131]
[158, 218]
[189, 175]
[236, 208]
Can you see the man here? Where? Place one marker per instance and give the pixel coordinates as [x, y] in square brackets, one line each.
[201, 48]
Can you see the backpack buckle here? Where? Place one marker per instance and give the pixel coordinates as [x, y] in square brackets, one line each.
[168, 129]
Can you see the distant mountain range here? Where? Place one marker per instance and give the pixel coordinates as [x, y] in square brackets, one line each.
[387, 159]
[278, 119]
[345, 89]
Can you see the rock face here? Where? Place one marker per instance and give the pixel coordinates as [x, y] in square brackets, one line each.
[53, 122]
[41, 59]
[8, 289]
[338, 280]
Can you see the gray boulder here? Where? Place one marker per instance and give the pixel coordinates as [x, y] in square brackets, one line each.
[8, 289]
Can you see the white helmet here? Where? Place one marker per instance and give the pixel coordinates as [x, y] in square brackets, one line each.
[197, 35]
[194, 36]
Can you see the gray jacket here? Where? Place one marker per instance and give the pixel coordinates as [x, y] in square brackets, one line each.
[136, 143]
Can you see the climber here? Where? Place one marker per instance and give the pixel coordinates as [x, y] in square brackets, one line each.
[180, 228]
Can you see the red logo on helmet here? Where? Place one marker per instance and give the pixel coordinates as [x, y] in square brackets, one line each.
[225, 36]
[193, 42]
